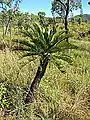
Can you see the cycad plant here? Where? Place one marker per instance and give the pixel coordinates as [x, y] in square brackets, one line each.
[49, 45]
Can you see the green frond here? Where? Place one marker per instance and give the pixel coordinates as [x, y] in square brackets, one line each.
[28, 34]
[62, 46]
[66, 45]
[46, 35]
[45, 40]
[57, 63]
[19, 48]
[36, 35]
[54, 46]
[60, 60]
[25, 43]
[50, 34]
[30, 54]
[56, 36]
[39, 30]
[40, 34]
[64, 57]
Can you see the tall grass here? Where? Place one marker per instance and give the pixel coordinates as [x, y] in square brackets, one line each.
[62, 95]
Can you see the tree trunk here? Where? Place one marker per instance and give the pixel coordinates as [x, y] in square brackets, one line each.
[35, 83]
[3, 26]
[7, 25]
[3, 30]
[66, 18]
[10, 32]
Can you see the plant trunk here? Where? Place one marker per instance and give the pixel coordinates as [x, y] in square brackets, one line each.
[35, 83]
[3, 26]
[10, 32]
[7, 25]
[66, 18]
[3, 30]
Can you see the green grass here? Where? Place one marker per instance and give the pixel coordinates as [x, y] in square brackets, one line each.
[61, 96]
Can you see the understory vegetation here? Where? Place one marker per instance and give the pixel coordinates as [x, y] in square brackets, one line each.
[64, 89]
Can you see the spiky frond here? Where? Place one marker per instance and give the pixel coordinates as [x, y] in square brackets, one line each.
[62, 46]
[41, 39]
[64, 57]
[45, 42]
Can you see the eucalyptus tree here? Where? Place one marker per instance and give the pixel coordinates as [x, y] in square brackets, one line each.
[63, 8]
[27, 20]
[47, 45]
[41, 18]
[22, 21]
[9, 7]
[18, 21]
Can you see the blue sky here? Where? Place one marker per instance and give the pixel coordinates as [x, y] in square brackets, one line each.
[34, 6]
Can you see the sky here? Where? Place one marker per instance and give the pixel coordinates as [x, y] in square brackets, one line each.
[35, 6]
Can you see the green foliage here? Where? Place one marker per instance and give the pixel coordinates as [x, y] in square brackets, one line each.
[84, 17]
[60, 6]
[42, 18]
[64, 93]
[61, 94]
[3, 99]
[41, 14]
[44, 42]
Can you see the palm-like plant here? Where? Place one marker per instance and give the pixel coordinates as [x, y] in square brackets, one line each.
[48, 44]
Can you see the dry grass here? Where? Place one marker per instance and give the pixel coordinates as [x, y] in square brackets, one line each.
[61, 96]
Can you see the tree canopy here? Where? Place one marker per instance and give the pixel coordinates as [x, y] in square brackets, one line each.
[59, 6]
